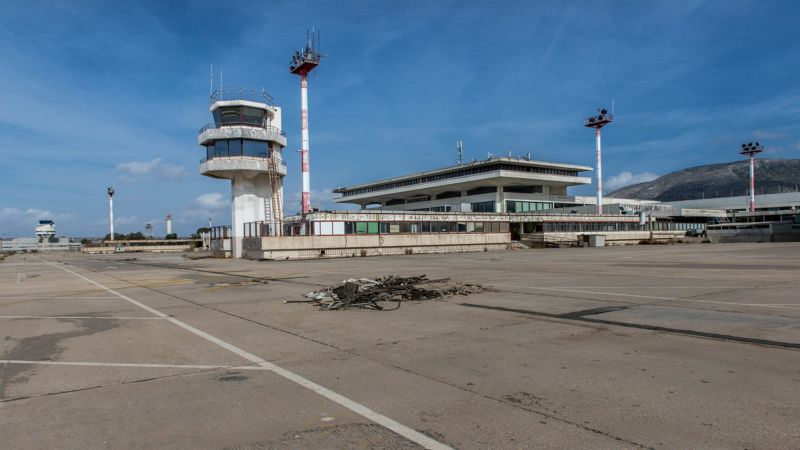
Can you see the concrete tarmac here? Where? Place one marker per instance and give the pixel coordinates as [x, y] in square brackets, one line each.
[681, 346]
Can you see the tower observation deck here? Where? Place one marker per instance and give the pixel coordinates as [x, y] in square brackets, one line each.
[244, 144]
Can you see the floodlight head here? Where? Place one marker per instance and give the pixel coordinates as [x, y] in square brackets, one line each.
[110, 191]
[751, 148]
[598, 121]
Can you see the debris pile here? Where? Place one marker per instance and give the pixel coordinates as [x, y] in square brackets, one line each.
[367, 293]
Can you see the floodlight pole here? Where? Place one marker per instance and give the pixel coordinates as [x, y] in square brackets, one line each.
[597, 122]
[752, 183]
[110, 191]
[599, 172]
[750, 149]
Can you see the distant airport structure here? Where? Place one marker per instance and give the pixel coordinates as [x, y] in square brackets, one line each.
[45, 240]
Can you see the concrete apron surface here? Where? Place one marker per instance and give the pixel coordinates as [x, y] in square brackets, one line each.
[681, 346]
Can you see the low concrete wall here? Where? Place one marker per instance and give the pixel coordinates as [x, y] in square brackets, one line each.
[723, 237]
[220, 248]
[612, 237]
[304, 247]
[138, 248]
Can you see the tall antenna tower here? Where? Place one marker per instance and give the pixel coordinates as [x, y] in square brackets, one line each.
[302, 63]
[460, 147]
[750, 149]
[597, 122]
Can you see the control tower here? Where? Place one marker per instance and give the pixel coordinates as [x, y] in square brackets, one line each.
[245, 145]
[45, 231]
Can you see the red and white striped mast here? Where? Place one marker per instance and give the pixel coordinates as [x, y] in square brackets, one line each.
[750, 149]
[597, 122]
[303, 62]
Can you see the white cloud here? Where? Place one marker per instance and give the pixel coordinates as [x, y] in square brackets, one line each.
[7, 213]
[21, 222]
[153, 168]
[212, 201]
[38, 213]
[626, 179]
[769, 134]
[28, 214]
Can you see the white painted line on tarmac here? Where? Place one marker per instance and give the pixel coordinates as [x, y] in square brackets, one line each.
[135, 365]
[47, 297]
[647, 287]
[386, 422]
[765, 305]
[84, 317]
[677, 299]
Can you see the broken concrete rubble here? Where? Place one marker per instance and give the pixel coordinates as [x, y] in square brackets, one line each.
[368, 293]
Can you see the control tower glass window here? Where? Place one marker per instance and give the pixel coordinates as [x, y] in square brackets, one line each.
[238, 147]
[253, 116]
[229, 116]
[239, 115]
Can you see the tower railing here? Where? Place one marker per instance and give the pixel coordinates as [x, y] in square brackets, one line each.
[252, 95]
[263, 156]
[243, 122]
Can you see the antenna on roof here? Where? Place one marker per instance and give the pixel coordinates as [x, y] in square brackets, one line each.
[211, 80]
[460, 147]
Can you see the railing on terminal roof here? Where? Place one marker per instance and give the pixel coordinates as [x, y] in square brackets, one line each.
[252, 95]
[263, 229]
[241, 123]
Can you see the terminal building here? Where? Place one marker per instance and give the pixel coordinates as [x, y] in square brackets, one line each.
[475, 206]
[497, 184]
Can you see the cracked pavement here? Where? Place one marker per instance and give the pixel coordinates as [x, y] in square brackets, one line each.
[681, 346]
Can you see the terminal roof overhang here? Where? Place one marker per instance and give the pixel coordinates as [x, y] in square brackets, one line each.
[491, 177]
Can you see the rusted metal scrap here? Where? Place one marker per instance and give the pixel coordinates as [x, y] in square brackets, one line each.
[369, 294]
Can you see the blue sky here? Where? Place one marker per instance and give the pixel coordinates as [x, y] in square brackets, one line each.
[95, 93]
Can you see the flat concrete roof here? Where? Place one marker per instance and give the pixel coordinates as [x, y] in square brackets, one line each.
[494, 160]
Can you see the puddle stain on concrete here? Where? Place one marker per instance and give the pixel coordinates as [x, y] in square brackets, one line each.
[233, 377]
[45, 347]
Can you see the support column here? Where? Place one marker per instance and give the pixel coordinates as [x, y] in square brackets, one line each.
[500, 200]
[248, 197]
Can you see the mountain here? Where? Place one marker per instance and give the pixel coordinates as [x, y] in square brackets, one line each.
[718, 180]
